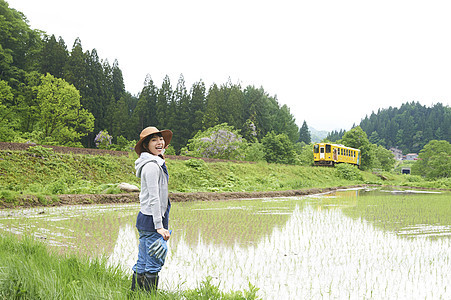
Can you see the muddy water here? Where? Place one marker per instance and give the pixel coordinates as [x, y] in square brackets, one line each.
[353, 244]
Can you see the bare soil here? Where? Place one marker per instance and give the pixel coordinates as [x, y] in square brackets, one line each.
[80, 199]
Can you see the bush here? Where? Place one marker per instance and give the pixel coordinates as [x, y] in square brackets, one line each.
[348, 172]
[279, 149]
[103, 139]
[221, 141]
[254, 152]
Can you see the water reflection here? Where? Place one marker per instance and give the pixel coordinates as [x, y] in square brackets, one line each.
[319, 254]
[349, 244]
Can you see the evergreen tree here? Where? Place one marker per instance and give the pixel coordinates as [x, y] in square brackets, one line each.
[409, 127]
[54, 56]
[260, 108]
[118, 81]
[285, 123]
[145, 113]
[211, 116]
[182, 117]
[163, 100]
[304, 134]
[198, 101]
[335, 135]
[75, 69]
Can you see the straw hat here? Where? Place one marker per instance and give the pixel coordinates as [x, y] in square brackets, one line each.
[167, 136]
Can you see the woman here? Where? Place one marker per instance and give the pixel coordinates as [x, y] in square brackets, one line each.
[153, 217]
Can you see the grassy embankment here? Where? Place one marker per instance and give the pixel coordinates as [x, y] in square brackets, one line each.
[46, 174]
[31, 271]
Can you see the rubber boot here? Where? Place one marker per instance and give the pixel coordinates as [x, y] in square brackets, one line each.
[137, 278]
[150, 281]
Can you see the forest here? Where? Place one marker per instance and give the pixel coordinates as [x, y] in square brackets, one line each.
[408, 128]
[33, 64]
[55, 96]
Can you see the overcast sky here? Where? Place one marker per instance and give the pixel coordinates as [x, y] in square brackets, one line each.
[331, 62]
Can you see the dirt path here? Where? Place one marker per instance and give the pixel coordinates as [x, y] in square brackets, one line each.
[76, 199]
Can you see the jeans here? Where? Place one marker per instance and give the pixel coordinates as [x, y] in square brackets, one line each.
[147, 263]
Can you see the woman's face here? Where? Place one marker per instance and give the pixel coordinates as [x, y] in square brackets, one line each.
[156, 145]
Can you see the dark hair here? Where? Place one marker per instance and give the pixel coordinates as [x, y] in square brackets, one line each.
[148, 138]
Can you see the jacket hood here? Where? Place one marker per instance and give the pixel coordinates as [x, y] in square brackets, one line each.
[143, 159]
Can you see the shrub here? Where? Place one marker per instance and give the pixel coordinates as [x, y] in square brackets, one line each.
[221, 141]
[279, 149]
[348, 172]
[103, 139]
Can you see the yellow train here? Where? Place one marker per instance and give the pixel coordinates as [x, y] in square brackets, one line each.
[326, 154]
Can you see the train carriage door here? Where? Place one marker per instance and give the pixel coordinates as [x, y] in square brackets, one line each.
[321, 153]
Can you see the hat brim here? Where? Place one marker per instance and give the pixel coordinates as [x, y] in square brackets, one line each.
[167, 137]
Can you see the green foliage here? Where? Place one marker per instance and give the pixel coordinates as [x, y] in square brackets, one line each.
[62, 117]
[41, 151]
[408, 127]
[304, 134]
[357, 138]
[123, 144]
[304, 153]
[103, 140]
[383, 158]
[207, 290]
[254, 152]
[348, 172]
[334, 136]
[170, 150]
[24, 173]
[221, 141]
[31, 271]
[197, 164]
[6, 96]
[278, 148]
[434, 160]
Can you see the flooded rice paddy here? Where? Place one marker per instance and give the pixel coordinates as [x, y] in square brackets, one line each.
[348, 244]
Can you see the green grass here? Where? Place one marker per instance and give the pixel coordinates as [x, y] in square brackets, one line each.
[29, 270]
[44, 173]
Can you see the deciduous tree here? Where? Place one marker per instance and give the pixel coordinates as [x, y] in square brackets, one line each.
[434, 160]
[63, 119]
[357, 138]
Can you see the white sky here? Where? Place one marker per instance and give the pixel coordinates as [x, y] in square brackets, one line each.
[331, 62]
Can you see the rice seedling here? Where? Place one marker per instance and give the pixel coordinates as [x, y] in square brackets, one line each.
[349, 244]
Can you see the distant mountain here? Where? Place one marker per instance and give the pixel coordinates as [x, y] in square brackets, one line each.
[317, 135]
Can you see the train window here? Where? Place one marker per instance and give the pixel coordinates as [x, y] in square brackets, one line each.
[316, 148]
[322, 149]
[327, 148]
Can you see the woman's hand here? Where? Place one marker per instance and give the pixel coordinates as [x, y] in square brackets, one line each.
[164, 233]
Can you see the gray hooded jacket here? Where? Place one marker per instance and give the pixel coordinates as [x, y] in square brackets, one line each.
[154, 187]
